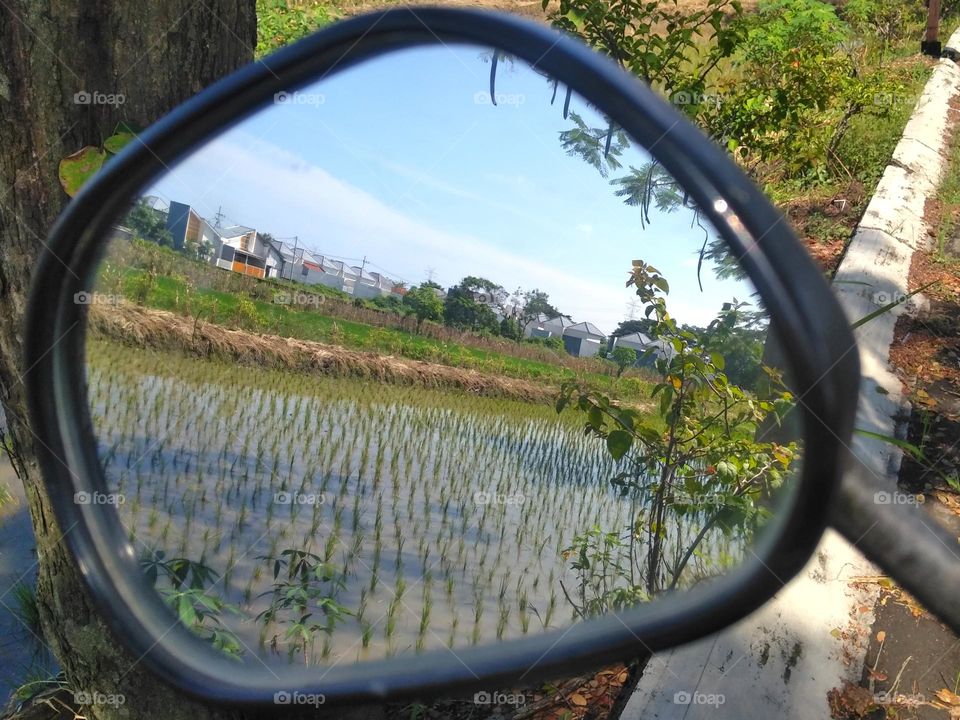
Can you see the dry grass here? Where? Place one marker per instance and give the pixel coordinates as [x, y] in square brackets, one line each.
[145, 327]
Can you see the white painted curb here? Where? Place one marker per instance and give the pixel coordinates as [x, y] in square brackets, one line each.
[783, 660]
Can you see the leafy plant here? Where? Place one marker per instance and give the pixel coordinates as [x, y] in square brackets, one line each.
[699, 460]
[185, 586]
[303, 585]
[624, 357]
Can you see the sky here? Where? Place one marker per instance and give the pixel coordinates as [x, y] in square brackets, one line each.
[404, 161]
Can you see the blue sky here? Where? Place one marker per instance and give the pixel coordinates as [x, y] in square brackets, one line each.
[405, 161]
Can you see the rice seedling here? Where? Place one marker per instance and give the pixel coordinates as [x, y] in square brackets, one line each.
[417, 485]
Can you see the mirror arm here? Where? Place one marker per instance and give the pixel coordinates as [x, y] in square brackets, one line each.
[904, 540]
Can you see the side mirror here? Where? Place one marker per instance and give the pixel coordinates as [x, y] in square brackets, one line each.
[293, 475]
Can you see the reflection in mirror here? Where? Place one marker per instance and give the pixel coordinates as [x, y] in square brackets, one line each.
[396, 365]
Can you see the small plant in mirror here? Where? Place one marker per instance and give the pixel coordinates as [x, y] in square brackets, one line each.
[304, 588]
[698, 469]
[185, 585]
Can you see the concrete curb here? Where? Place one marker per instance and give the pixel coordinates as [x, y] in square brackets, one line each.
[784, 659]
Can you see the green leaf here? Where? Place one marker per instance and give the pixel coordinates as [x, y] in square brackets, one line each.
[618, 443]
[116, 143]
[188, 615]
[77, 168]
[902, 444]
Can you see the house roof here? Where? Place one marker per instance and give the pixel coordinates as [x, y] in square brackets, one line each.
[561, 321]
[362, 274]
[336, 267]
[587, 328]
[382, 280]
[232, 231]
[636, 338]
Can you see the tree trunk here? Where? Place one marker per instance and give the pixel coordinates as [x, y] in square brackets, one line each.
[155, 54]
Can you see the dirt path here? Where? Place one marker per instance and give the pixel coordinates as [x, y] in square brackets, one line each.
[162, 330]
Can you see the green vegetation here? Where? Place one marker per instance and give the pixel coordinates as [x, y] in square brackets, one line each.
[280, 22]
[808, 98]
[279, 511]
[700, 465]
[161, 278]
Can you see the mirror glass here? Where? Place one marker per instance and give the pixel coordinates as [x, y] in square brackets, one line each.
[400, 364]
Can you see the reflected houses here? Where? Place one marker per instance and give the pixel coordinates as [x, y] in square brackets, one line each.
[583, 339]
[641, 344]
[244, 250]
[237, 248]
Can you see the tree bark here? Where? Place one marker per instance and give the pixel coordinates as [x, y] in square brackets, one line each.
[155, 54]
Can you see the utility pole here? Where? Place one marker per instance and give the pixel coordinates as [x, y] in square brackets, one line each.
[931, 43]
[296, 239]
[363, 265]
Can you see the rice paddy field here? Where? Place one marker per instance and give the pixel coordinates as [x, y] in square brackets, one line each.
[304, 519]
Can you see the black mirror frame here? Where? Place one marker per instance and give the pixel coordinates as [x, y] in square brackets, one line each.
[811, 326]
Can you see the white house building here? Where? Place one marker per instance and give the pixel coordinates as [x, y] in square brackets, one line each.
[583, 339]
[641, 343]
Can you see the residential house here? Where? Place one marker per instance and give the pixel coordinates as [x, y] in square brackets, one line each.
[544, 327]
[374, 284]
[641, 343]
[235, 247]
[582, 339]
